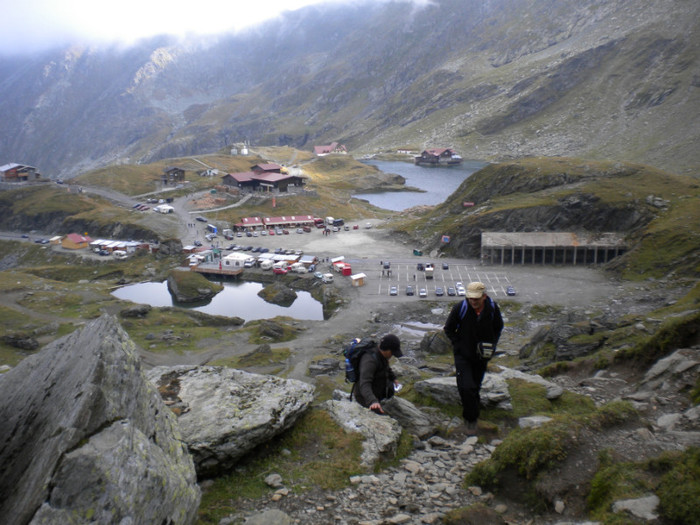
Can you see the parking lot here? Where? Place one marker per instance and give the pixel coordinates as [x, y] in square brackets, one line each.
[365, 249]
[404, 274]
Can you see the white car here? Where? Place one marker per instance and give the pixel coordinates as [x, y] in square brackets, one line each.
[393, 290]
[461, 291]
[422, 293]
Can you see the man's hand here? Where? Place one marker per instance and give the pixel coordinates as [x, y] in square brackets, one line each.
[376, 407]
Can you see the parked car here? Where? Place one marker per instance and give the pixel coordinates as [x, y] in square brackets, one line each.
[420, 267]
[355, 226]
[510, 291]
[103, 253]
[239, 234]
[256, 234]
[248, 234]
[263, 232]
[409, 290]
[445, 266]
[439, 291]
[461, 291]
[422, 293]
[318, 275]
[346, 228]
[286, 232]
[197, 243]
[307, 229]
[451, 291]
[201, 219]
[393, 290]
[280, 271]
[271, 232]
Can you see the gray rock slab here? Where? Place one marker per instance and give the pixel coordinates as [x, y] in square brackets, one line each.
[225, 413]
[85, 435]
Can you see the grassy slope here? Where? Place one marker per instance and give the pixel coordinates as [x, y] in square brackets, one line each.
[670, 242]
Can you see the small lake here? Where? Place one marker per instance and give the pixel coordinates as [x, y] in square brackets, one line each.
[437, 183]
[237, 299]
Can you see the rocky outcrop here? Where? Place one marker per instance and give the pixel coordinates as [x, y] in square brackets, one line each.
[558, 341]
[435, 343]
[279, 294]
[381, 433]
[191, 287]
[225, 413]
[86, 438]
[494, 390]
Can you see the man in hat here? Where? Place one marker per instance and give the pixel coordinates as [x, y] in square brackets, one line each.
[377, 380]
[475, 320]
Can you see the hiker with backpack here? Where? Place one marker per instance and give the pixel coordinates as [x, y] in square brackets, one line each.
[376, 381]
[473, 326]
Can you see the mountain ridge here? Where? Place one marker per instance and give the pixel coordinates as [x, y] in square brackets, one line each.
[496, 80]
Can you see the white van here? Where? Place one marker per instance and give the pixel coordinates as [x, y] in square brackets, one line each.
[299, 268]
[327, 278]
[266, 264]
[119, 254]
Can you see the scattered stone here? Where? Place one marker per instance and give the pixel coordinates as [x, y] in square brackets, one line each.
[273, 480]
[269, 517]
[644, 508]
[533, 421]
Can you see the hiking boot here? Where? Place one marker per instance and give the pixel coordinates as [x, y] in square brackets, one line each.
[471, 428]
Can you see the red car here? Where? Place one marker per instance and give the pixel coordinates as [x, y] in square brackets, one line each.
[355, 227]
[280, 271]
[271, 232]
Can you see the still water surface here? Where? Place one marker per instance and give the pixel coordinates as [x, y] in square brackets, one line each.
[437, 183]
[239, 299]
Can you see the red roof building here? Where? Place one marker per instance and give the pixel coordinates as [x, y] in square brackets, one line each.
[333, 147]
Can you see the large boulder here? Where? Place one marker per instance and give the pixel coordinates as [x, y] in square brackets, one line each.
[279, 294]
[191, 287]
[435, 343]
[381, 433]
[494, 391]
[85, 438]
[225, 413]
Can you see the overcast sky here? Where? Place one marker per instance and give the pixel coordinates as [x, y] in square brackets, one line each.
[29, 25]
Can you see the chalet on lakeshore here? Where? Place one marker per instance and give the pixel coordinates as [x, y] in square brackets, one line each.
[263, 177]
[75, 241]
[438, 157]
[18, 173]
[333, 147]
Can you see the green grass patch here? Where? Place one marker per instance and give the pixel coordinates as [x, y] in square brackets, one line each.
[674, 477]
[259, 357]
[137, 179]
[529, 451]
[177, 330]
[315, 453]
[675, 332]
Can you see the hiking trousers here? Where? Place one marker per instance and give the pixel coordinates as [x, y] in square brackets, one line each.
[470, 374]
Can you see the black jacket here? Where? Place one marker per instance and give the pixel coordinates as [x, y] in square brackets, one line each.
[376, 380]
[466, 333]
